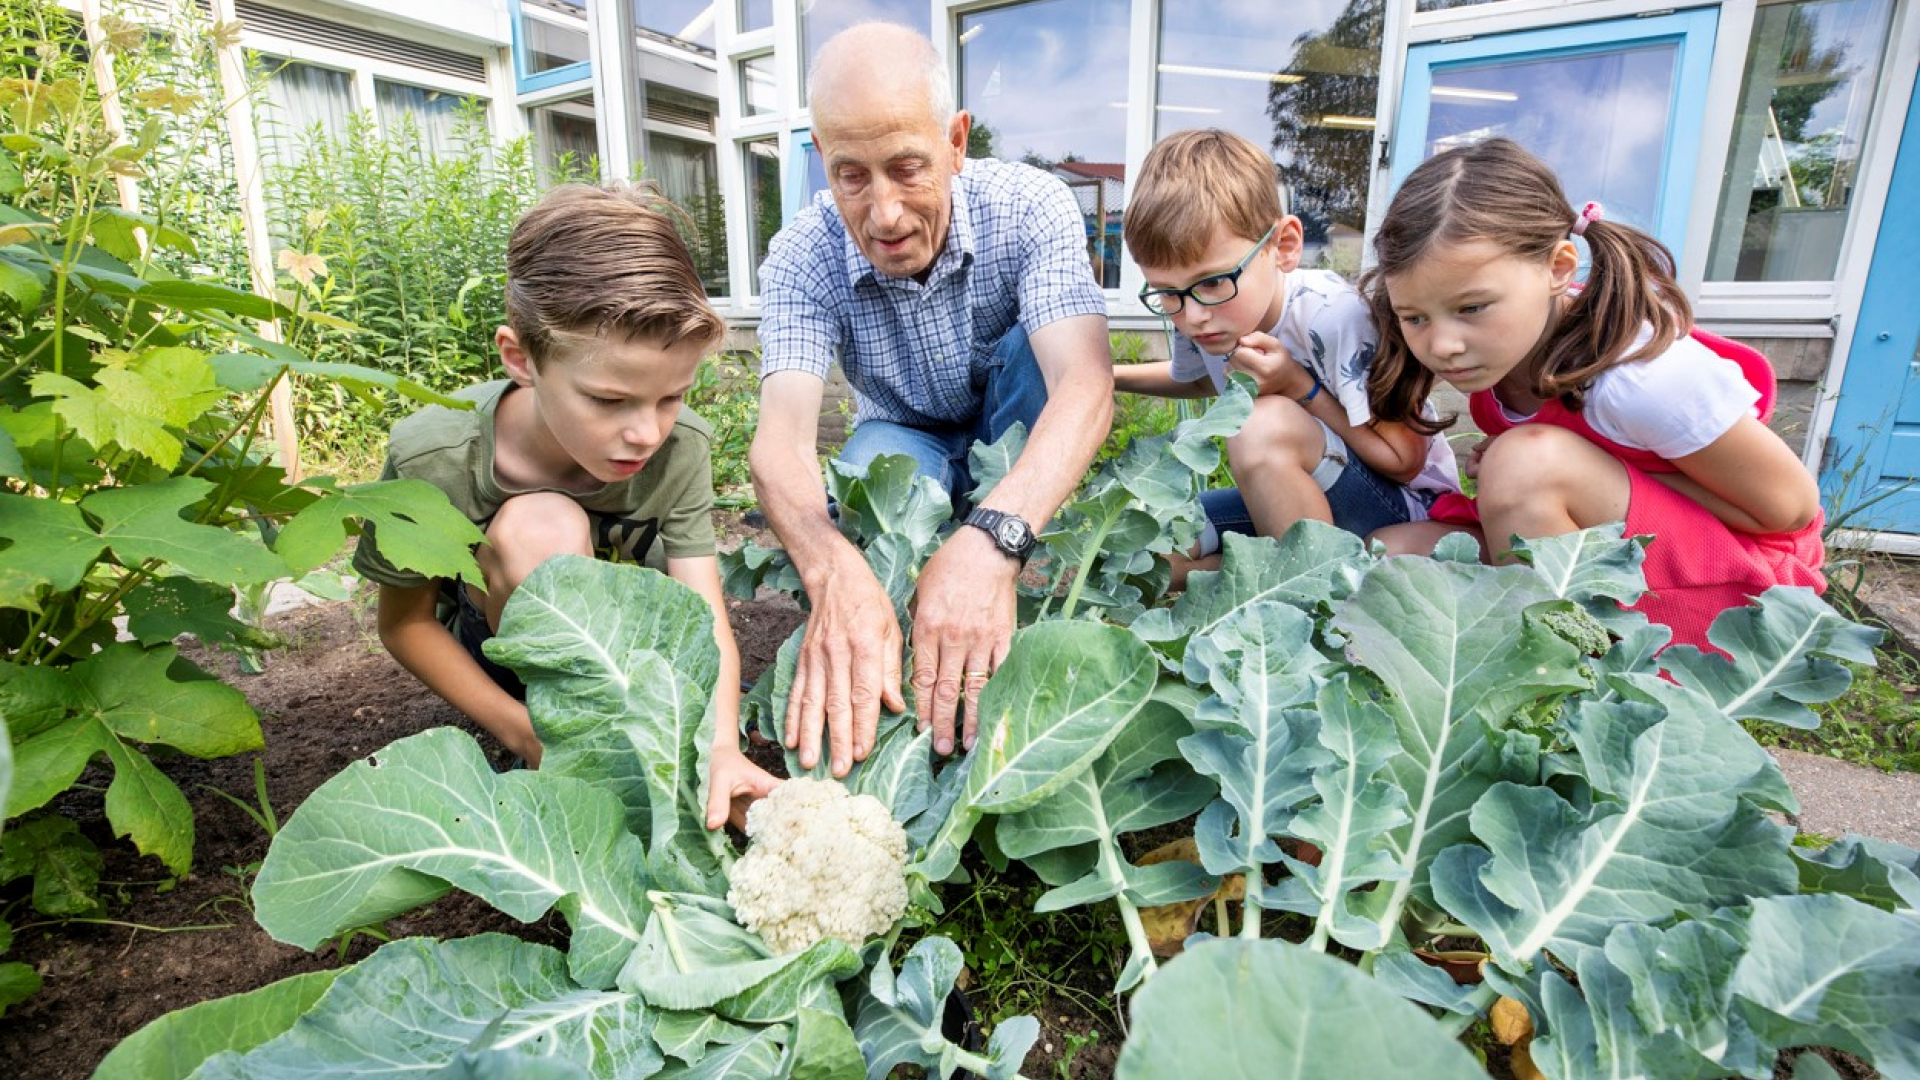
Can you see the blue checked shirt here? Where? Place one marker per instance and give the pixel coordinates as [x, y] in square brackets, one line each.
[918, 354]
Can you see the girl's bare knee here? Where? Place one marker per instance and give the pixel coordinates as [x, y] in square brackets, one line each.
[1540, 470]
[1415, 537]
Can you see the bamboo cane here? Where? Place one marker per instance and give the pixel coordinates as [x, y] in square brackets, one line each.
[253, 215]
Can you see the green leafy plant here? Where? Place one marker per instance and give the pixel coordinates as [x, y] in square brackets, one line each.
[136, 493]
[1590, 813]
[726, 395]
[406, 245]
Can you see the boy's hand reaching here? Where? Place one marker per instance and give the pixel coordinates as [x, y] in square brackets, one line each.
[732, 786]
[1272, 367]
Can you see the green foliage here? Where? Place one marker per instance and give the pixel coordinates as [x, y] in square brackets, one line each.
[176, 1044]
[1314, 1011]
[727, 396]
[412, 249]
[1599, 823]
[134, 476]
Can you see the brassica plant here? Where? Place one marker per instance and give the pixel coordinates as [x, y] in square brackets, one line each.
[1467, 753]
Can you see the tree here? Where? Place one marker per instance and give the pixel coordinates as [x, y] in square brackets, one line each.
[1338, 69]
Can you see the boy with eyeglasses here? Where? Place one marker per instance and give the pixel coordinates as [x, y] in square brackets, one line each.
[1221, 259]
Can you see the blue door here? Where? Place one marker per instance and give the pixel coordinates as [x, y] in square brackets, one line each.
[1614, 107]
[1871, 463]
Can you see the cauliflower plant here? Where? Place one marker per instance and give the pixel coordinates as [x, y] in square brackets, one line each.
[1579, 629]
[822, 863]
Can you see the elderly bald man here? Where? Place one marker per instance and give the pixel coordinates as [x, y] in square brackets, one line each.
[958, 297]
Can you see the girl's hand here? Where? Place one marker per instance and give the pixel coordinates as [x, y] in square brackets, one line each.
[1273, 368]
[1471, 467]
[732, 786]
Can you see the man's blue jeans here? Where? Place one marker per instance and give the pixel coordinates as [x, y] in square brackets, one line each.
[1016, 392]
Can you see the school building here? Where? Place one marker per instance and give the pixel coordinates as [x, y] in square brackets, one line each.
[1773, 145]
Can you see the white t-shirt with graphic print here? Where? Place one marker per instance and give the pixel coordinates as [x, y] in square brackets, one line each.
[1325, 326]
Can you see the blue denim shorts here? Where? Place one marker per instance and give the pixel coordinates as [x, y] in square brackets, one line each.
[1361, 500]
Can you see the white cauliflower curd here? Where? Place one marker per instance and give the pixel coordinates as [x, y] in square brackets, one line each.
[821, 863]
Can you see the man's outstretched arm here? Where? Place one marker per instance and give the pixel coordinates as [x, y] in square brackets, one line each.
[849, 664]
[964, 606]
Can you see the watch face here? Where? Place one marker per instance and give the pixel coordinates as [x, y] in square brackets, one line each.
[1013, 534]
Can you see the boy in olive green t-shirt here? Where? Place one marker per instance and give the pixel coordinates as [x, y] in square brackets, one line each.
[584, 449]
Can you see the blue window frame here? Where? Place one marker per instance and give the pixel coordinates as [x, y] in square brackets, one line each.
[1615, 107]
[806, 175]
[527, 81]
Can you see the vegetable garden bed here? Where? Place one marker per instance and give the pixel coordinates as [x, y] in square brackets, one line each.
[332, 696]
[1380, 753]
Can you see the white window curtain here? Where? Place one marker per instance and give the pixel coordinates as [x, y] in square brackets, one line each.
[299, 98]
[433, 113]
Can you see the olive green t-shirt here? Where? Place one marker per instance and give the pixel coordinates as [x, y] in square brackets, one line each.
[663, 511]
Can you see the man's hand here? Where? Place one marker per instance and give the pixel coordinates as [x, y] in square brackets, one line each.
[732, 786]
[849, 666]
[1273, 368]
[962, 626]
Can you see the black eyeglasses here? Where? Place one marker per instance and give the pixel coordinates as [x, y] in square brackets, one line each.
[1208, 291]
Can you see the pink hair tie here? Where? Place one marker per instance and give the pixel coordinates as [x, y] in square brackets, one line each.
[1590, 212]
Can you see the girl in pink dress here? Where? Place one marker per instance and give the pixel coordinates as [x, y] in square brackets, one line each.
[1600, 402]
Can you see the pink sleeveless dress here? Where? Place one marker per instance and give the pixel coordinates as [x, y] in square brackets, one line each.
[1696, 566]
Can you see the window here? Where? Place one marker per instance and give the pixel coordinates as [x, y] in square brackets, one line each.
[688, 20]
[762, 167]
[1071, 55]
[1315, 109]
[303, 99]
[757, 88]
[1623, 124]
[566, 138]
[755, 15]
[434, 114]
[554, 41]
[685, 171]
[1613, 106]
[1797, 137]
[821, 20]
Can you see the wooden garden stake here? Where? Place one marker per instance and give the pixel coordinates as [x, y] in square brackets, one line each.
[253, 212]
[110, 111]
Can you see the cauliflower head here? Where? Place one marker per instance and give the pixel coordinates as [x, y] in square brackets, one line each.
[821, 863]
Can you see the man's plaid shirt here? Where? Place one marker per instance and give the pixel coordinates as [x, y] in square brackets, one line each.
[918, 354]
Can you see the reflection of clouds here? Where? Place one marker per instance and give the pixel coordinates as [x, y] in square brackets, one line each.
[1241, 33]
[1860, 28]
[1059, 64]
[1617, 149]
[1050, 48]
[1246, 35]
[822, 21]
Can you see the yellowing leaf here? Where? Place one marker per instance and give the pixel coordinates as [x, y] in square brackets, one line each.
[21, 231]
[1510, 1021]
[174, 101]
[302, 266]
[135, 404]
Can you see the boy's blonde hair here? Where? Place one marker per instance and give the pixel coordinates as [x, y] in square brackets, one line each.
[1192, 181]
[603, 262]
